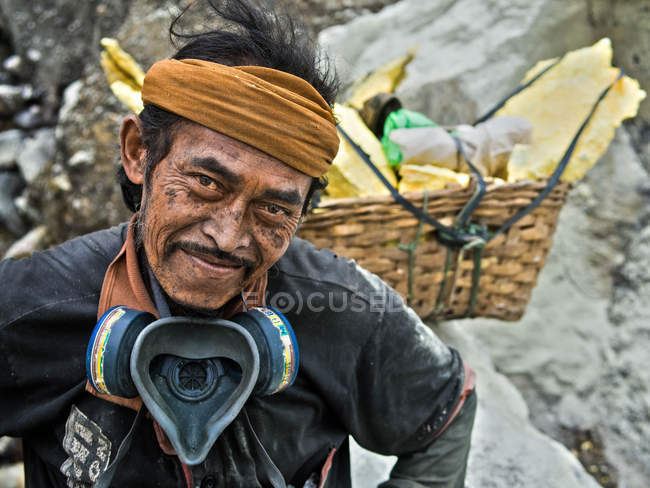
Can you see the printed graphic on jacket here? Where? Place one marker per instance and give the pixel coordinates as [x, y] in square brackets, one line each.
[88, 449]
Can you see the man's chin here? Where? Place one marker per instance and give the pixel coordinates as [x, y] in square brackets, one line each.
[206, 308]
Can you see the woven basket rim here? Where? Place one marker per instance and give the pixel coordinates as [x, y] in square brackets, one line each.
[538, 185]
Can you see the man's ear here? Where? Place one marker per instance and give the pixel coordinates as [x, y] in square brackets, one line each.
[132, 150]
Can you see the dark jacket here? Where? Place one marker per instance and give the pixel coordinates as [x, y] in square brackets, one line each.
[369, 368]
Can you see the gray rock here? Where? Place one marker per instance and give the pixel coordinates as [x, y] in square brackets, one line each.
[470, 53]
[37, 151]
[81, 157]
[507, 450]
[28, 93]
[11, 99]
[628, 25]
[30, 118]
[10, 143]
[5, 78]
[66, 33]
[10, 186]
[26, 209]
[70, 98]
[321, 14]
[18, 66]
[33, 55]
[32, 241]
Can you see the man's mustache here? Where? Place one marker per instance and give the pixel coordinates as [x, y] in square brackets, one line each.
[213, 251]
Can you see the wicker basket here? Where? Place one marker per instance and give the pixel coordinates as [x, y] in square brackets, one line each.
[370, 229]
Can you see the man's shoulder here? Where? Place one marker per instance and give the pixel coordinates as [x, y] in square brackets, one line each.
[73, 270]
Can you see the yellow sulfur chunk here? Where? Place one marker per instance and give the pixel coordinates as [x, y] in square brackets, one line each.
[428, 177]
[128, 96]
[558, 103]
[519, 167]
[349, 176]
[120, 65]
[382, 80]
[111, 70]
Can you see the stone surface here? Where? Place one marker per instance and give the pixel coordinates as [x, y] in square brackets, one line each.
[10, 143]
[89, 122]
[18, 66]
[36, 152]
[470, 53]
[628, 25]
[30, 118]
[11, 184]
[11, 99]
[320, 14]
[65, 33]
[34, 240]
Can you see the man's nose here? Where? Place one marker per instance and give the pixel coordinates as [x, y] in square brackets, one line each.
[228, 228]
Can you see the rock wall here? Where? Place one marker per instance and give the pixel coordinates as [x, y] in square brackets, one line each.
[627, 25]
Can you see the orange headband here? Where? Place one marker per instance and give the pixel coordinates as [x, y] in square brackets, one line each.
[273, 111]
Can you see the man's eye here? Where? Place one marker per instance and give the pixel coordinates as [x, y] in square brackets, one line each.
[274, 209]
[207, 182]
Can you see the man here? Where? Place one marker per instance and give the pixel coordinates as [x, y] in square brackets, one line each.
[219, 168]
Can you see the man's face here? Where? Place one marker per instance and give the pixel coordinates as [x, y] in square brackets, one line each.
[216, 215]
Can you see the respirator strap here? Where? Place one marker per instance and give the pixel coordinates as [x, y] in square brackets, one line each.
[273, 474]
[105, 478]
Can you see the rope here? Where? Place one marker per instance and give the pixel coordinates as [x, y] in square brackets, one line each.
[477, 246]
[411, 250]
[443, 286]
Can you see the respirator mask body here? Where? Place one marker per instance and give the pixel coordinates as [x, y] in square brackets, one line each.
[193, 375]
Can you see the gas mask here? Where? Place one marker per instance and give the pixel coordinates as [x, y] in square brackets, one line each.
[193, 375]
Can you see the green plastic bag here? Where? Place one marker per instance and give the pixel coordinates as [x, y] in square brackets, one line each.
[401, 119]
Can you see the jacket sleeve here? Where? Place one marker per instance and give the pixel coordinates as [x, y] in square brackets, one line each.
[441, 464]
[406, 386]
[48, 307]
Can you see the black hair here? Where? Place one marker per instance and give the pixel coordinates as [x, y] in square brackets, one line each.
[248, 34]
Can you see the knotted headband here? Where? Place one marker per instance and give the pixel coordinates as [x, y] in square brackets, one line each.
[273, 111]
